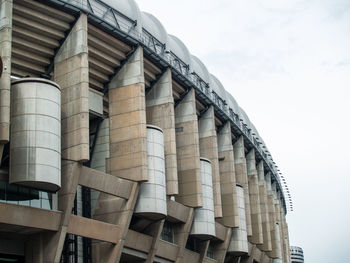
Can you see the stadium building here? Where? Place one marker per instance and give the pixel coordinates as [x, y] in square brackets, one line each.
[118, 145]
[297, 254]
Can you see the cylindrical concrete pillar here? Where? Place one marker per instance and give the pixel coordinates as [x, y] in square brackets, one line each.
[35, 150]
[152, 197]
[239, 241]
[204, 218]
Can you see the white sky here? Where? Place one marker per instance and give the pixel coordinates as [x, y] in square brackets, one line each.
[287, 63]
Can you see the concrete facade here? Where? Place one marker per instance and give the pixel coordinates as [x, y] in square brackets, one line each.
[139, 77]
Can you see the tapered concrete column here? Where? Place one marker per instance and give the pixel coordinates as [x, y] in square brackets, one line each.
[287, 245]
[227, 177]
[127, 121]
[279, 209]
[278, 227]
[187, 147]
[284, 234]
[254, 197]
[71, 72]
[242, 178]
[272, 217]
[208, 148]
[266, 246]
[160, 112]
[5, 79]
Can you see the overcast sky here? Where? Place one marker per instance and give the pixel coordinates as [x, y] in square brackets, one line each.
[287, 63]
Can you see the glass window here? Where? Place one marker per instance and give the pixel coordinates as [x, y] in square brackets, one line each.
[210, 251]
[167, 232]
[20, 195]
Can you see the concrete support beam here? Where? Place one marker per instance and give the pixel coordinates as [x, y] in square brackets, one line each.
[253, 183]
[127, 121]
[29, 217]
[266, 246]
[90, 228]
[121, 217]
[177, 211]
[55, 241]
[227, 178]
[203, 248]
[105, 183]
[220, 249]
[242, 178]
[187, 147]
[71, 72]
[181, 233]
[6, 7]
[155, 230]
[167, 250]
[208, 148]
[160, 112]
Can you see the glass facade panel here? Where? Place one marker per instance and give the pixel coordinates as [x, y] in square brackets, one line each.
[20, 195]
[167, 233]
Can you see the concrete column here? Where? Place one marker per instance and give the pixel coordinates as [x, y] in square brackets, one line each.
[287, 245]
[5, 79]
[272, 217]
[227, 177]
[242, 178]
[127, 121]
[278, 227]
[266, 246]
[208, 148]
[71, 72]
[155, 230]
[279, 209]
[284, 234]
[220, 249]
[203, 249]
[54, 241]
[181, 233]
[187, 147]
[160, 112]
[254, 197]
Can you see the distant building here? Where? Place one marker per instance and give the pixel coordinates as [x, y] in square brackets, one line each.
[297, 254]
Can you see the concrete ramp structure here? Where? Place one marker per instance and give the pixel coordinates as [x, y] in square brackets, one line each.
[118, 145]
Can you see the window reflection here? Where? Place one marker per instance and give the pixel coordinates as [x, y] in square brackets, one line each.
[20, 195]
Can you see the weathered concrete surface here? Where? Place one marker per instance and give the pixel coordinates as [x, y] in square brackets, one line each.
[227, 177]
[208, 148]
[127, 111]
[257, 234]
[160, 112]
[187, 147]
[5, 80]
[266, 246]
[242, 178]
[272, 216]
[71, 73]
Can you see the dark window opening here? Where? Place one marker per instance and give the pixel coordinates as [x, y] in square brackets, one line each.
[167, 232]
